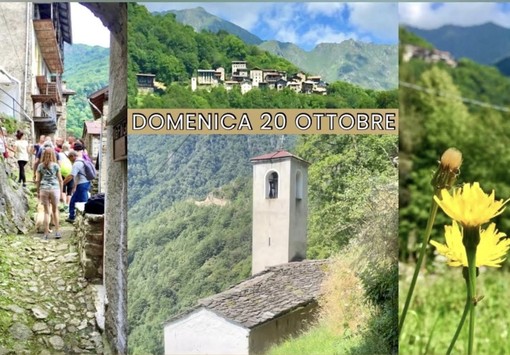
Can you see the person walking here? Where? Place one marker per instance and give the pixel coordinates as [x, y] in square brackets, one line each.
[21, 149]
[49, 186]
[81, 184]
[36, 150]
[65, 167]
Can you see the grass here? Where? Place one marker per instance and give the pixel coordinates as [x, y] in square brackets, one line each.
[345, 313]
[437, 307]
[318, 340]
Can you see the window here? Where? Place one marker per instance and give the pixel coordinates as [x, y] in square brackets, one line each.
[299, 185]
[272, 185]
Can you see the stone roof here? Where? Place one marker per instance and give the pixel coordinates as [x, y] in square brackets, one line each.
[273, 292]
[280, 154]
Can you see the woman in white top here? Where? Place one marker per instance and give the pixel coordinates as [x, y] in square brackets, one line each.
[21, 149]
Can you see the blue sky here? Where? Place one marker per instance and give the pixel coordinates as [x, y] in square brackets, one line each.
[305, 24]
[435, 15]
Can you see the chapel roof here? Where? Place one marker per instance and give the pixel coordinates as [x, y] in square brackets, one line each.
[270, 293]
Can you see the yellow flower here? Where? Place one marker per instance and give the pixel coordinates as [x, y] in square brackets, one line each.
[470, 206]
[490, 252]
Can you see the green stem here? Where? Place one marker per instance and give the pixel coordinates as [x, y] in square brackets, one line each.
[472, 287]
[471, 239]
[467, 307]
[428, 230]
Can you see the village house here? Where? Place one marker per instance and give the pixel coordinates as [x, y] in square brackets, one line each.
[31, 87]
[98, 102]
[428, 55]
[90, 136]
[247, 79]
[145, 83]
[280, 298]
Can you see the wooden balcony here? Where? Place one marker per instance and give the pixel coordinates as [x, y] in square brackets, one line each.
[45, 119]
[49, 91]
[47, 39]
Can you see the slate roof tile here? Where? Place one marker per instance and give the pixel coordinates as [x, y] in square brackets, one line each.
[270, 293]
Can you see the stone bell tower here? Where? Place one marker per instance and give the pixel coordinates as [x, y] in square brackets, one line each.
[280, 209]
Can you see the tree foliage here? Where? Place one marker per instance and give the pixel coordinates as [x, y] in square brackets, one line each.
[86, 71]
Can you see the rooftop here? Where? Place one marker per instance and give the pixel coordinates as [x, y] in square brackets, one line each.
[93, 127]
[280, 154]
[273, 292]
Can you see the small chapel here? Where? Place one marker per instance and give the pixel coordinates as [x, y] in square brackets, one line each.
[279, 300]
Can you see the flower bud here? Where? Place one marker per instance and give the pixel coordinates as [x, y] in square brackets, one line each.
[448, 169]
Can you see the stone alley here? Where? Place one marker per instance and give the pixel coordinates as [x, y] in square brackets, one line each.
[46, 306]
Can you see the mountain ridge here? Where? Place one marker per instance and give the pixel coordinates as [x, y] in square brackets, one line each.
[368, 65]
[200, 19]
[485, 44]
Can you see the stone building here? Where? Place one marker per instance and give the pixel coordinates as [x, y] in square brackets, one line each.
[98, 102]
[32, 38]
[114, 17]
[280, 298]
[251, 316]
[145, 83]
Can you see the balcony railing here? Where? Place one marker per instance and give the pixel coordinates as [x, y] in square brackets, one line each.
[49, 91]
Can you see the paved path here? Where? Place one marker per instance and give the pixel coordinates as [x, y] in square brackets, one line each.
[46, 306]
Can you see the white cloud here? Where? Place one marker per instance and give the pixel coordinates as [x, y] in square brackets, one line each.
[326, 34]
[287, 35]
[87, 28]
[430, 16]
[287, 21]
[377, 19]
[324, 8]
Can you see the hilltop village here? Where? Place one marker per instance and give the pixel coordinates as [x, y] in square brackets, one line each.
[248, 79]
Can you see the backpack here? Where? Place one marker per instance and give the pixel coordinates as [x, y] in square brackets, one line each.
[65, 164]
[90, 170]
[95, 204]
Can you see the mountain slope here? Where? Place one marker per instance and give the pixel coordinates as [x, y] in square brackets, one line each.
[504, 66]
[86, 71]
[365, 64]
[368, 65]
[485, 44]
[200, 20]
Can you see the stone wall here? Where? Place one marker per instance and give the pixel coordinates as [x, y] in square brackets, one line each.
[114, 16]
[14, 216]
[89, 229]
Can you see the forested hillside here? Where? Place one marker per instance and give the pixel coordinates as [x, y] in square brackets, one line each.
[86, 71]
[179, 252]
[470, 112]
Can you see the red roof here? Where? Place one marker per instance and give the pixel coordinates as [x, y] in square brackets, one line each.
[276, 155]
[93, 127]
